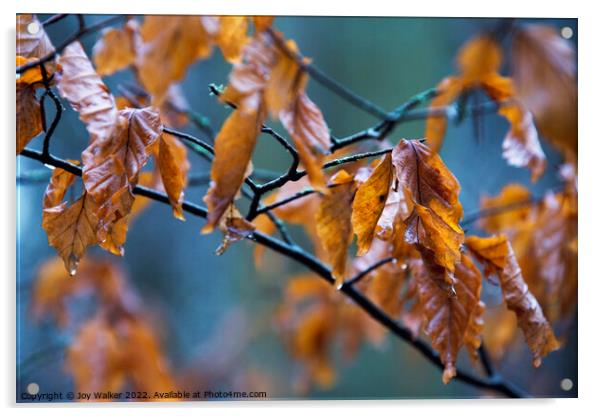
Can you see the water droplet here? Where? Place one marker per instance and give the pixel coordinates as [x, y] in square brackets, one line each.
[33, 28]
[452, 292]
[404, 266]
[73, 263]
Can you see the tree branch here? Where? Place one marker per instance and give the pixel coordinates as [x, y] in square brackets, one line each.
[498, 384]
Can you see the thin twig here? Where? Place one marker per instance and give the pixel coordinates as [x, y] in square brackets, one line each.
[498, 384]
[358, 277]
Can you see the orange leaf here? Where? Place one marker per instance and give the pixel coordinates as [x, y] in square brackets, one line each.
[479, 57]
[111, 166]
[174, 166]
[116, 49]
[29, 117]
[369, 202]
[170, 44]
[232, 36]
[233, 150]
[512, 195]
[433, 224]
[287, 80]
[333, 221]
[304, 121]
[447, 317]
[544, 68]
[72, 228]
[447, 91]
[262, 22]
[497, 254]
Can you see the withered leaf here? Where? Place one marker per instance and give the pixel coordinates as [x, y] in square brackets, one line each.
[305, 123]
[29, 117]
[369, 202]
[262, 22]
[87, 94]
[232, 36]
[287, 80]
[497, 255]
[521, 145]
[116, 49]
[170, 44]
[111, 166]
[334, 230]
[173, 165]
[234, 146]
[433, 223]
[36, 44]
[71, 229]
[544, 69]
[447, 317]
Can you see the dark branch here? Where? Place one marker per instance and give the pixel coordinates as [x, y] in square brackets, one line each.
[498, 384]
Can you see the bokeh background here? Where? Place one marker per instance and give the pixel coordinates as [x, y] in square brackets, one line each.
[223, 307]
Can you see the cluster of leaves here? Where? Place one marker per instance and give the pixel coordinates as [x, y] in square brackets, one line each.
[117, 346]
[412, 258]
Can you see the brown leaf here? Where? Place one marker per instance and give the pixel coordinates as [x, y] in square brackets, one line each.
[34, 45]
[369, 202]
[333, 221]
[234, 146]
[287, 80]
[305, 123]
[173, 165]
[479, 57]
[512, 195]
[262, 22]
[497, 255]
[521, 144]
[116, 49]
[234, 227]
[170, 44]
[71, 229]
[544, 68]
[111, 166]
[87, 94]
[95, 358]
[447, 317]
[473, 337]
[433, 224]
[447, 91]
[232, 36]
[29, 118]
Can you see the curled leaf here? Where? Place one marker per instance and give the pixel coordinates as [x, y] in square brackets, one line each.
[334, 230]
[497, 255]
[369, 203]
[173, 165]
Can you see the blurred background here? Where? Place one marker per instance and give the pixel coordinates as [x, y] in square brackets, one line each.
[223, 307]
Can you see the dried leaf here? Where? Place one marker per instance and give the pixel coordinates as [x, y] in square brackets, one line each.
[173, 165]
[87, 94]
[497, 254]
[433, 224]
[232, 36]
[544, 68]
[234, 227]
[34, 45]
[304, 121]
[95, 358]
[447, 91]
[29, 118]
[111, 166]
[287, 80]
[479, 57]
[116, 49]
[71, 229]
[170, 44]
[333, 221]
[512, 195]
[369, 202]
[447, 317]
[234, 146]
[262, 22]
